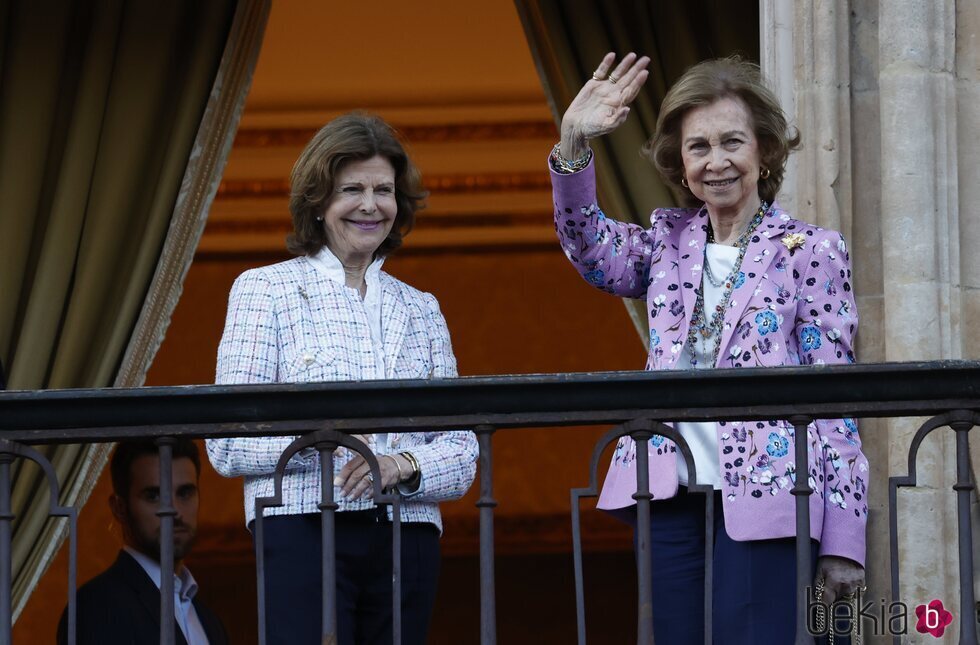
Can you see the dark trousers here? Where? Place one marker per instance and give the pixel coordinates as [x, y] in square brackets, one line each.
[292, 552]
[753, 583]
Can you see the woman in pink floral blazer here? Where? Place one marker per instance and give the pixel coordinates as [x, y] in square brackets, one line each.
[733, 281]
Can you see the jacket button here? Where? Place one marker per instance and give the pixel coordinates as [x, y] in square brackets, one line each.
[308, 358]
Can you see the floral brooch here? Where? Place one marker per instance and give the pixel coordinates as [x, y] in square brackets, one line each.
[793, 241]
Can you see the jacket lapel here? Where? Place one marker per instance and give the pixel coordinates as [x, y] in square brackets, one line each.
[690, 257]
[394, 322]
[759, 255]
[146, 591]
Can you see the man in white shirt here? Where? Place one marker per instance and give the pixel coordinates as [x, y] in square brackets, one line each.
[122, 604]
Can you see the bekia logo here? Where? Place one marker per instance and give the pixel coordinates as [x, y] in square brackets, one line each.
[861, 616]
[933, 618]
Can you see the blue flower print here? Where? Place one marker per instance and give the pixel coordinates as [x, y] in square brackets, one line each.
[810, 338]
[657, 440]
[767, 322]
[778, 446]
[851, 424]
[739, 280]
[654, 338]
[597, 276]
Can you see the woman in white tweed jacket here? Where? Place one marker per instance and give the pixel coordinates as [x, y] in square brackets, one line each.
[332, 314]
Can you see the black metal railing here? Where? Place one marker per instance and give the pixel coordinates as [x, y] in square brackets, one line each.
[638, 403]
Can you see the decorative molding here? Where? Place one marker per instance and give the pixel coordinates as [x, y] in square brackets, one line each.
[416, 133]
[279, 224]
[274, 188]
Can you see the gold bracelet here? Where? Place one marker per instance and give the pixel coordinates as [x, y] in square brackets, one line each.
[401, 475]
[416, 470]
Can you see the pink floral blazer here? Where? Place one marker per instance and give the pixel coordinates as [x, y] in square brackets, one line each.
[790, 306]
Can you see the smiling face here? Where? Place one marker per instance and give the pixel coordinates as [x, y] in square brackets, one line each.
[137, 512]
[361, 210]
[720, 154]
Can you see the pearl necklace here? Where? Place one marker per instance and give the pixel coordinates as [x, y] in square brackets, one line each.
[700, 324]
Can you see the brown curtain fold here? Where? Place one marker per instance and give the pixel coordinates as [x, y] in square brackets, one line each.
[568, 38]
[116, 117]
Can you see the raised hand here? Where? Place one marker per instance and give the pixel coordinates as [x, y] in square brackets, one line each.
[602, 104]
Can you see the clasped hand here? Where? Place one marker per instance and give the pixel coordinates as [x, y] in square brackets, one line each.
[354, 478]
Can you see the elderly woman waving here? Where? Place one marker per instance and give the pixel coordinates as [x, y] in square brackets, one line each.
[332, 314]
[732, 281]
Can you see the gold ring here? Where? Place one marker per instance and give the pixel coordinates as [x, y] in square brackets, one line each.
[612, 79]
[369, 477]
[595, 77]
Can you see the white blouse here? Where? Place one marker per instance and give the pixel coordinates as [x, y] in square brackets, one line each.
[702, 436]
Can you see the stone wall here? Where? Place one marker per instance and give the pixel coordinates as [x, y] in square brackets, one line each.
[887, 99]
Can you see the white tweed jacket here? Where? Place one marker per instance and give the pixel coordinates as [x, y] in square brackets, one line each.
[289, 323]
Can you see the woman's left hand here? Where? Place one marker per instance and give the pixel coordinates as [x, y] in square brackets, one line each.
[840, 576]
[355, 481]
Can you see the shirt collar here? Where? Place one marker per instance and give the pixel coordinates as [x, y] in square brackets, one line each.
[185, 586]
[328, 264]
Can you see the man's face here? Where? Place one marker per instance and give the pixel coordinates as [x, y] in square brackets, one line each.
[138, 514]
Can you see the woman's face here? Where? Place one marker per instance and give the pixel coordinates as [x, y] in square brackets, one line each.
[362, 210]
[720, 154]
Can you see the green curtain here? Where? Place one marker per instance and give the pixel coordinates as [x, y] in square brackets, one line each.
[568, 38]
[116, 117]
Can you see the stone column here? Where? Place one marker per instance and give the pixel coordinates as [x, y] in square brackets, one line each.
[920, 261]
[968, 124]
[887, 98]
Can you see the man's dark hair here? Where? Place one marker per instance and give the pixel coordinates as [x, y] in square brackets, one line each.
[129, 451]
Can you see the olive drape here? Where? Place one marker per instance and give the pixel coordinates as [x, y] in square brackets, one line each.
[116, 117]
[568, 38]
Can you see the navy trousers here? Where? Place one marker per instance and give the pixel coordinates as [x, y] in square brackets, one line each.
[753, 583]
[293, 585]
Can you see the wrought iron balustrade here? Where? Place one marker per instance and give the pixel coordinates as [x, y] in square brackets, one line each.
[638, 403]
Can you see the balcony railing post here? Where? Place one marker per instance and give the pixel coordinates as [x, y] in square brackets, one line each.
[328, 543]
[643, 557]
[486, 504]
[964, 487]
[804, 556]
[6, 562]
[166, 512]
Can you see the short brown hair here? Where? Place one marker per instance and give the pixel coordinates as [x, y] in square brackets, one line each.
[352, 137]
[705, 83]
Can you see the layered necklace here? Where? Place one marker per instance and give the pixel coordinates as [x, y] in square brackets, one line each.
[701, 325]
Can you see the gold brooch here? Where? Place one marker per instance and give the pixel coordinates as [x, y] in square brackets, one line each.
[793, 241]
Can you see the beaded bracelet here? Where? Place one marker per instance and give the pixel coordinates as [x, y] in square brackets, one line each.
[566, 167]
